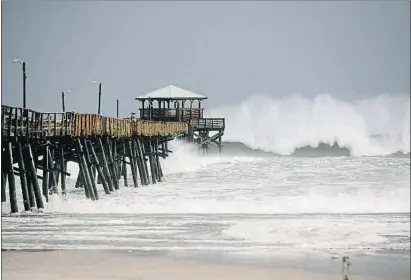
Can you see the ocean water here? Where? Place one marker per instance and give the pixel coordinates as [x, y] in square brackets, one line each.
[247, 206]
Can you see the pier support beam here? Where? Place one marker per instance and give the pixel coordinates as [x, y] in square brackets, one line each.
[28, 155]
[63, 166]
[124, 163]
[90, 165]
[152, 163]
[160, 170]
[139, 159]
[116, 162]
[79, 181]
[85, 172]
[45, 183]
[52, 173]
[132, 157]
[99, 170]
[105, 165]
[143, 162]
[111, 163]
[23, 179]
[12, 184]
[3, 176]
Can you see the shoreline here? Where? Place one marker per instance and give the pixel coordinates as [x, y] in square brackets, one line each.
[103, 264]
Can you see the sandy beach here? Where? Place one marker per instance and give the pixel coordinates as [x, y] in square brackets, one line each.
[98, 264]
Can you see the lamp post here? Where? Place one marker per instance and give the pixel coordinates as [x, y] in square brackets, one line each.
[118, 106]
[99, 95]
[23, 64]
[63, 99]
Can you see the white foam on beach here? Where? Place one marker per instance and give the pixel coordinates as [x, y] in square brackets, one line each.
[234, 204]
[148, 202]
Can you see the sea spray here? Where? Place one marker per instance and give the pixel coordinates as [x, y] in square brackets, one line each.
[378, 125]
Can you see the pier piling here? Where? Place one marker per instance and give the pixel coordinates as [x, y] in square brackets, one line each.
[12, 183]
[124, 164]
[52, 173]
[3, 182]
[160, 171]
[90, 165]
[151, 161]
[132, 158]
[111, 164]
[105, 166]
[85, 172]
[23, 178]
[45, 182]
[99, 170]
[143, 162]
[63, 166]
[30, 188]
[34, 179]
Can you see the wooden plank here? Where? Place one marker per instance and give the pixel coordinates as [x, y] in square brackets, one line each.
[55, 124]
[21, 126]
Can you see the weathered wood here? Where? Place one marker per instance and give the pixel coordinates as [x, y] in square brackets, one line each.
[142, 163]
[124, 165]
[63, 165]
[90, 169]
[12, 184]
[116, 165]
[85, 172]
[3, 177]
[153, 154]
[25, 122]
[67, 136]
[105, 165]
[45, 183]
[132, 158]
[79, 181]
[23, 179]
[150, 158]
[52, 172]
[111, 164]
[99, 169]
[84, 183]
[160, 170]
[30, 188]
[33, 177]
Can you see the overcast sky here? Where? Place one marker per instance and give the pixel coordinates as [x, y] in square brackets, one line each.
[225, 50]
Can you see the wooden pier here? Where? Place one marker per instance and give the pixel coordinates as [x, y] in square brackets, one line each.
[102, 147]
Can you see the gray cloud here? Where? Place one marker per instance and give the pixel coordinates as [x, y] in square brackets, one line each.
[226, 50]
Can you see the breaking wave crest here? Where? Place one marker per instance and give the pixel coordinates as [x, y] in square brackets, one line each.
[376, 126]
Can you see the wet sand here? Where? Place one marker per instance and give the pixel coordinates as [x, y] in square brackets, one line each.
[99, 264]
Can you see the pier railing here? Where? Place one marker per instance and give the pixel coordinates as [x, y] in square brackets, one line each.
[208, 124]
[32, 124]
[26, 122]
[171, 114]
